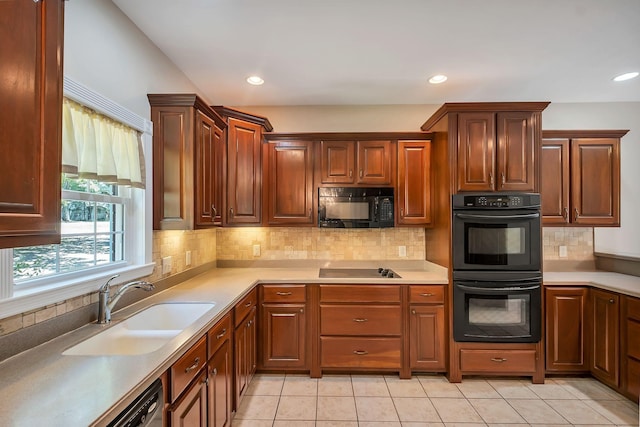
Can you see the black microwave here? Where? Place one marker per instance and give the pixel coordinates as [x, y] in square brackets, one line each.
[355, 207]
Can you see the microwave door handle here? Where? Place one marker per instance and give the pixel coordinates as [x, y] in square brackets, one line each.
[499, 290]
[497, 217]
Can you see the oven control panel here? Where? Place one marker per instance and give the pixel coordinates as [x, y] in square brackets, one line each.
[501, 201]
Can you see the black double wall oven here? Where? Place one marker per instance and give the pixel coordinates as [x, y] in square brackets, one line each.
[497, 279]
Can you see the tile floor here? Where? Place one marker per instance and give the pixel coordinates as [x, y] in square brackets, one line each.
[380, 401]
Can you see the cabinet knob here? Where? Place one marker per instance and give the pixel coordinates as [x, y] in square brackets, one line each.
[302, 310]
[214, 212]
[413, 312]
[491, 178]
[231, 212]
[350, 173]
[361, 173]
[575, 214]
[611, 301]
[503, 178]
[565, 214]
[214, 371]
[401, 212]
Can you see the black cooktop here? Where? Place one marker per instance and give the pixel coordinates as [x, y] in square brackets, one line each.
[358, 273]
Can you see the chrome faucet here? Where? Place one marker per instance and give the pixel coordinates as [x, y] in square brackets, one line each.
[106, 303]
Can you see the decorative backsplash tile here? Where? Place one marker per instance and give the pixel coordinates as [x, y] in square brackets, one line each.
[577, 240]
[311, 243]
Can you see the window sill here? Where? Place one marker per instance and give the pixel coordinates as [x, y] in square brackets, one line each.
[35, 297]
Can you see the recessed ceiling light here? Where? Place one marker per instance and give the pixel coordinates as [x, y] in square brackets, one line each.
[437, 79]
[255, 80]
[625, 76]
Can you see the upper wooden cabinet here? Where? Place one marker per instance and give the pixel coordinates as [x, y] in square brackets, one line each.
[496, 144]
[244, 166]
[356, 162]
[288, 190]
[187, 152]
[580, 177]
[414, 183]
[31, 45]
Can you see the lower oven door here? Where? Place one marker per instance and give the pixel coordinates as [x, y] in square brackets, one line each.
[499, 313]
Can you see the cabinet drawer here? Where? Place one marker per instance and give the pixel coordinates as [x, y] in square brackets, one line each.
[245, 305]
[633, 378]
[360, 320]
[374, 353]
[283, 293]
[218, 335]
[426, 294]
[187, 367]
[633, 339]
[633, 308]
[498, 361]
[359, 293]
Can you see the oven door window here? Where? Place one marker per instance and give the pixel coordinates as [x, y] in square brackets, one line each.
[490, 244]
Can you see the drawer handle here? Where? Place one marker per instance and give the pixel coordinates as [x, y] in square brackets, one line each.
[360, 319]
[221, 334]
[426, 294]
[360, 352]
[283, 294]
[196, 362]
[248, 304]
[498, 359]
[611, 300]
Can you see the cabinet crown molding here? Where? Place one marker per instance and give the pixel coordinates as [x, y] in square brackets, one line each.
[596, 133]
[468, 107]
[227, 112]
[186, 100]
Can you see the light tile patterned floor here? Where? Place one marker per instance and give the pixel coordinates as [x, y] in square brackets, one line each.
[425, 401]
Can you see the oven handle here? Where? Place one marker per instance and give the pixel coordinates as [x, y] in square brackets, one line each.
[497, 217]
[511, 288]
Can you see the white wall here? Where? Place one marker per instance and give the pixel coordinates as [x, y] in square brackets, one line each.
[106, 52]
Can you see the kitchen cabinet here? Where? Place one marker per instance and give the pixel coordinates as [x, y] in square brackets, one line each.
[496, 144]
[188, 387]
[360, 327]
[606, 333]
[31, 121]
[283, 327]
[244, 166]
[245, 355]
[567, 329]
[187, 153]
[427, 330]
[414, 183]
[363, 162]
[580, 177]
[219, 374]
[288, 167]
[630, 347]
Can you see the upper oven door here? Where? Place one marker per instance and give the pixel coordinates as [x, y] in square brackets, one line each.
[506, 239]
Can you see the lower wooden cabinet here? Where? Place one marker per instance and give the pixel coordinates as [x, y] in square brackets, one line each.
[245, 356]
[606, 335]
[567, 332]
[219, 388]
[630, 347]
[427, 328]
[515, 362]
[190, 410]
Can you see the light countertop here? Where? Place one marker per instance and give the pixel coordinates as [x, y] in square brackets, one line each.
[42, 387]
[616, 282]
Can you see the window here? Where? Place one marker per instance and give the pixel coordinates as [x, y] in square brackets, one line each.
[105, 221]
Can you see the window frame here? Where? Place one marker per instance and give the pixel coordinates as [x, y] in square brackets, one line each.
[138, 242]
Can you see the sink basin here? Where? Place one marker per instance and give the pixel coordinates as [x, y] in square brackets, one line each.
[142, 333]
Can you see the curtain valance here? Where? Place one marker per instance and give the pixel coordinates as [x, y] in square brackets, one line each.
[97, 147]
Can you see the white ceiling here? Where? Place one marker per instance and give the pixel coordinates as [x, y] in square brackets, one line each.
[330, 52]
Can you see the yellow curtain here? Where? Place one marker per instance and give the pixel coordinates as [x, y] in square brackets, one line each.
[97, 147]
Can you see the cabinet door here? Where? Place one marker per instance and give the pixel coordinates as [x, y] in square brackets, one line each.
[245, 356]
[414, 183]
[427, 337]
[595, 181]
[244, 172]
[337, 160]
[283, 336]
[191, 409]
[567, 348]
[220, 174]
[205, 162]
[374, 162]
[476, 144]
[31, 38]
[219, 387]
[289, 190]
[606, 329]
[516, 152]
[554, 191]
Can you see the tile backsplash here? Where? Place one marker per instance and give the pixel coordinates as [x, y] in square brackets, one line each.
[312, 243]
[577, 240]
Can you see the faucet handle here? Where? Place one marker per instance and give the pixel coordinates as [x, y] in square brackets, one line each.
[105, 287]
